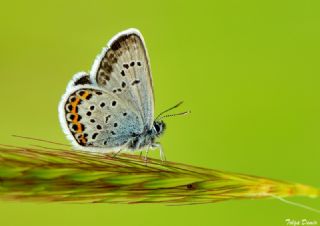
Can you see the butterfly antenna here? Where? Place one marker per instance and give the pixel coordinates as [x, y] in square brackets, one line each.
[171, 115]
[175, 106]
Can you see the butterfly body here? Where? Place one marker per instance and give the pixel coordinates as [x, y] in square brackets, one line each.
[147, 137]
[112, 107]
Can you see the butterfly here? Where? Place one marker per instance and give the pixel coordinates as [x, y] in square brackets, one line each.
[111, 108]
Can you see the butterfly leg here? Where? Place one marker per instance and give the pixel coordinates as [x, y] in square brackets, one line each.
[162, 154]
[116, 153]
[146, 155]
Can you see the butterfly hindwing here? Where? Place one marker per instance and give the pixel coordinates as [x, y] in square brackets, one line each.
[123, 69]
[96, 118]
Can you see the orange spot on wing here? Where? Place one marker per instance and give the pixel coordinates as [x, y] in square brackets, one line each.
[80, 127]
[75, 120]
[80, 130]
[84, 96]
[74, 105]
[74, 111]
[83, 140]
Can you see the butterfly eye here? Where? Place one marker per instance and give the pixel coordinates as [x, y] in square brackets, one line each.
[157, 128]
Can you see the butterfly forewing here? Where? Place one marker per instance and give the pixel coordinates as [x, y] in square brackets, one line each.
[123, 69]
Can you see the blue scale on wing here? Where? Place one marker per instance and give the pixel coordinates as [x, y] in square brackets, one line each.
[108, 121]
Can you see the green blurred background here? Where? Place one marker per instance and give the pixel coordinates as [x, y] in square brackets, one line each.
[248, 70]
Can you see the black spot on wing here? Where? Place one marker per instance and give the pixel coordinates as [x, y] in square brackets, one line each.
[111, 57]
[102, 73]
[94, 136]
[135, 82]
[123, 40]
[123, 84]
[107, 118]
[83, 80]
[117, 43]
[69, 107]
[75, 127]
[72, 117]
[72, 99]
[115, 46]
[89, 96]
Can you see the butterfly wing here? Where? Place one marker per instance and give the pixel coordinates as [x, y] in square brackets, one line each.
[123, 69]
[94, 118]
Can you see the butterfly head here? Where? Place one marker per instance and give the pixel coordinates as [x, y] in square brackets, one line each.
[158, 128]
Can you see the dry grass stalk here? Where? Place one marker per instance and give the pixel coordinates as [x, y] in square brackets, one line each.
[43, 174]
